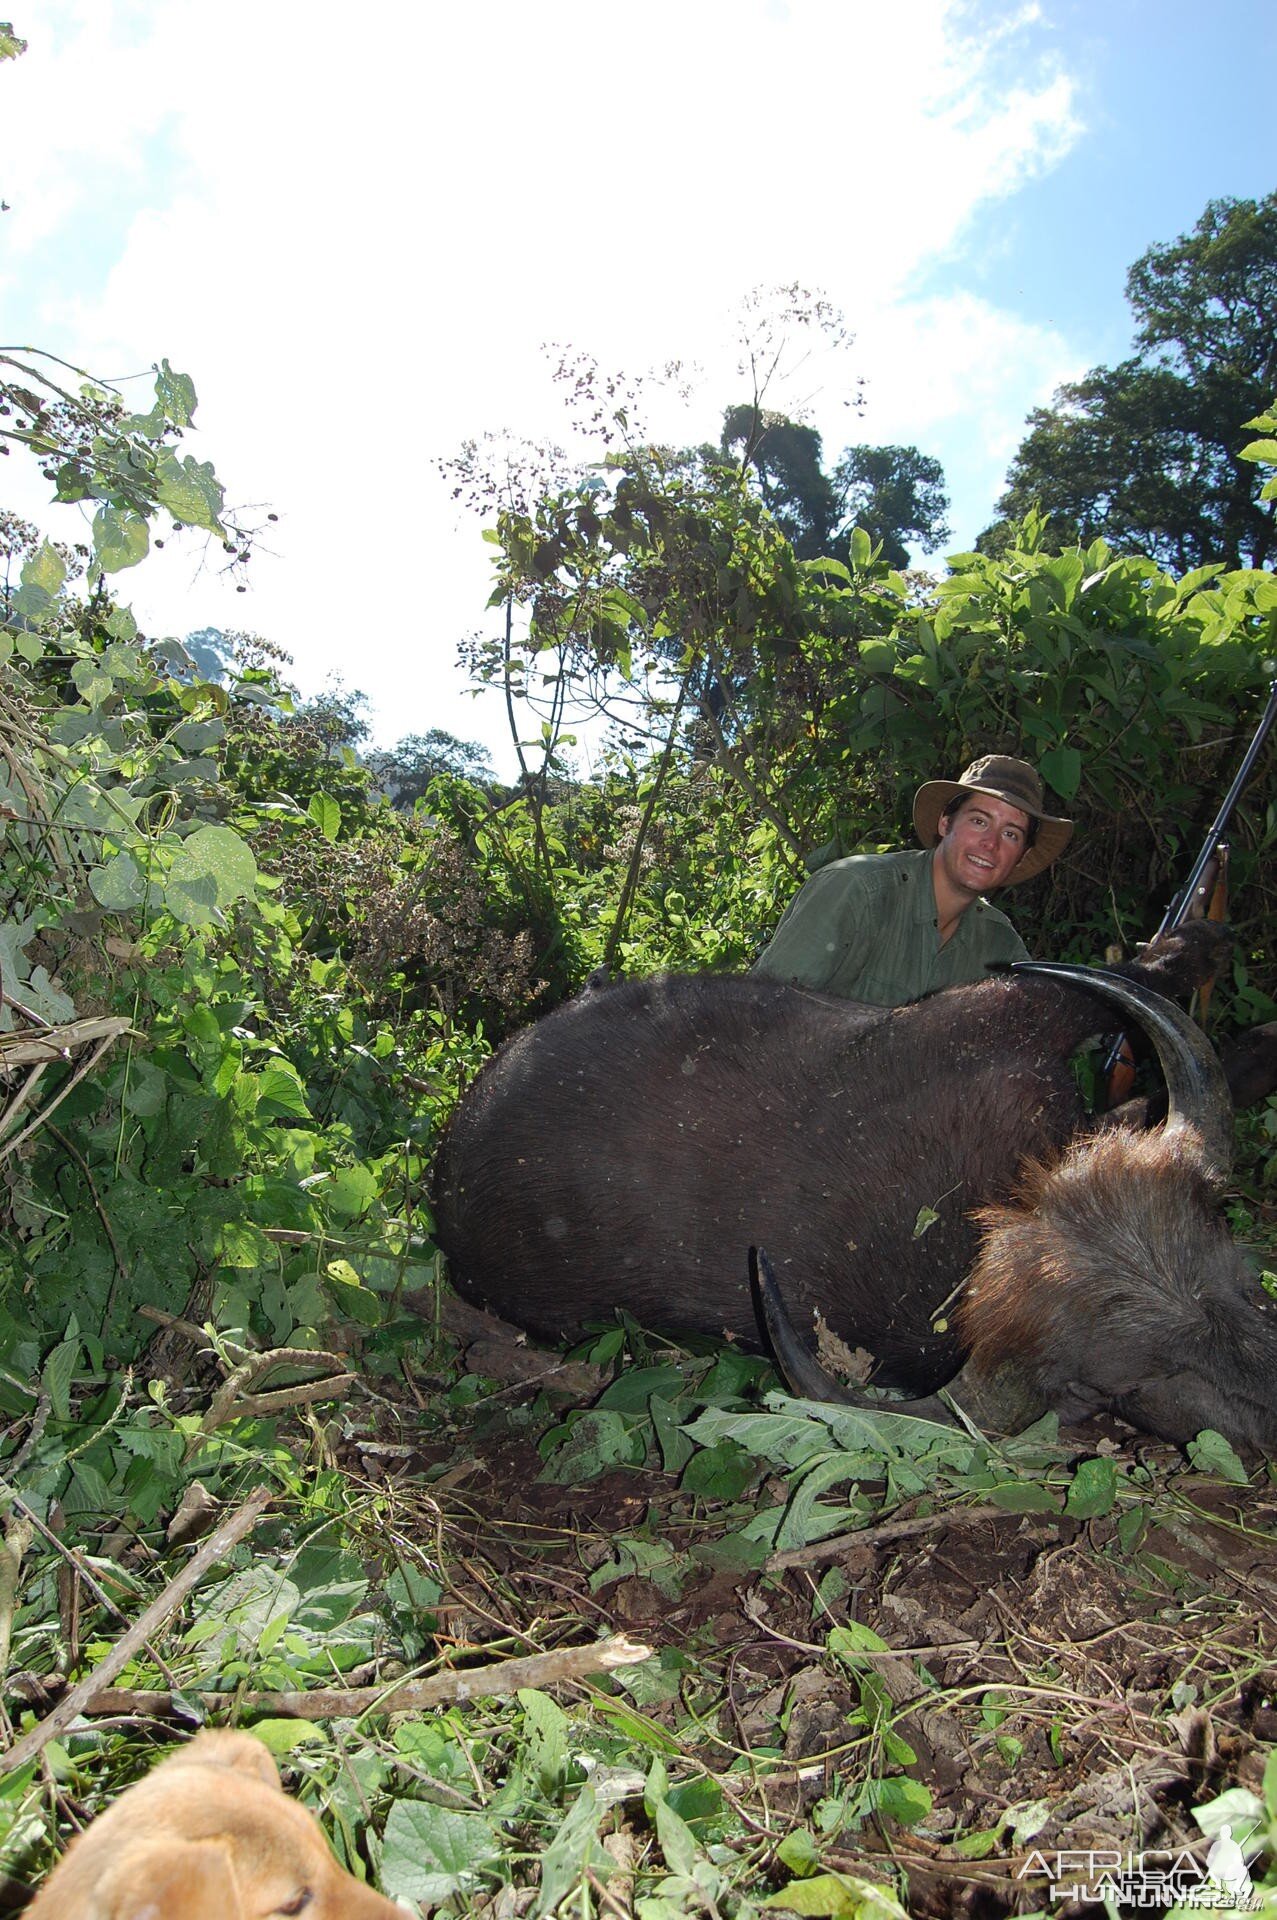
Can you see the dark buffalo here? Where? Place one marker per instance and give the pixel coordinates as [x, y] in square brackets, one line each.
[918, 1176]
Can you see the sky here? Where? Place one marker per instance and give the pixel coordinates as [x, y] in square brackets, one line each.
[357, 232]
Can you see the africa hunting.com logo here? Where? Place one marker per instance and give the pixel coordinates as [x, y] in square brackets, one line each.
[1155, 1880]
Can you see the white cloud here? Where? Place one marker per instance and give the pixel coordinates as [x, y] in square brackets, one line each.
[354, 232]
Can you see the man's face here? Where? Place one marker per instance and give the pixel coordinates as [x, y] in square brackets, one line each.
[982, 843]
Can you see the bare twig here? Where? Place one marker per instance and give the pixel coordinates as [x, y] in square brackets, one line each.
[884, 1535]
[85, 1067]
[234, 1398]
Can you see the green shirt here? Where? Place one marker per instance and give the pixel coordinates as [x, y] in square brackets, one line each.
[865, 928]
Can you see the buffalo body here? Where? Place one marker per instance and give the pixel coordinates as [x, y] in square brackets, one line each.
[629, 1149]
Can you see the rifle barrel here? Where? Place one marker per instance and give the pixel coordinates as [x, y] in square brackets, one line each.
[1178, 909]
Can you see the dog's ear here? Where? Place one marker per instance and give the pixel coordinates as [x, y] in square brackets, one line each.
[170, 1880]
[217, 1748]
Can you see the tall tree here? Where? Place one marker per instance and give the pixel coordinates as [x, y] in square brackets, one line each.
[895, 493]
[785, 458]
[1146, 454]
[405, 771]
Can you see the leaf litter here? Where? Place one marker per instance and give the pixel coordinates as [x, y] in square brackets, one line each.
[892, 1665]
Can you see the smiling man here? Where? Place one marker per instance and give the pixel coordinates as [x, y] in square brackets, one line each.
[891, 927]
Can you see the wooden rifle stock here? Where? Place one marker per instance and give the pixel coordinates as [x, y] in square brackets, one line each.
[1203, 895]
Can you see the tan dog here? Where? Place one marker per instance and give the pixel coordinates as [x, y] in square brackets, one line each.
[209, 1834]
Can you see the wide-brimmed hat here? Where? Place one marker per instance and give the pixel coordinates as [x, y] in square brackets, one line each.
[1014, 781]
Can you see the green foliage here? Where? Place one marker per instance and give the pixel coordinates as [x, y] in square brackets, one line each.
[894, 494]
[266, 986]
[406, 771]
[1146, 454]
[93, 449]
[1131, 688]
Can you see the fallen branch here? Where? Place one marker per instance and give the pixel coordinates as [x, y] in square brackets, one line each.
[76, 1701]
[496, 1681]
[234, 1398]
[889, 1531]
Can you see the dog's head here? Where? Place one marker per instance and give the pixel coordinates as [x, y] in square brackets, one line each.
[209, 1834]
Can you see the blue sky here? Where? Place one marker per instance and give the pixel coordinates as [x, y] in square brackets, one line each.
[355, 232]
[1169, 96]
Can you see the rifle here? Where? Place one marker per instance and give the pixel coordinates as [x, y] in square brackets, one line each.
[1203, 893]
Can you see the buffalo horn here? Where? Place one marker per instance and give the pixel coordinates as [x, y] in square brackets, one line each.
[1197, 1090]
[799, 1368]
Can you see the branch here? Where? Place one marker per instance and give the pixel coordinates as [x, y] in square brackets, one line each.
[229, 1534]
[495, 1681]
[889, 1531]
[733, 764]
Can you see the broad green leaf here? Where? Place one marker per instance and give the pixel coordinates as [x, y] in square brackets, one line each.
[57, 1374]
[678, 1843]
[877, 656]
[854, 1639]
[190, 490]
[1021, 1496]
[1061, 768]
[632, 1389]
[281, 1092]
[838, 1896]
[429, 1853]
[806, 1517]
[1094, 1490]
[285, 1736]
[175, 394]
[676, 1448]
[120, 538]
[547, 1728]
[1131, 1524]
[234, 1614]
[798, 1852]
[213, 868]
[978, 1845]
[599, 1440]
[195, 736]
[92, 682]
[1211, 1453]
[902, 1799]
[574, 1848]
[861, 547]
[46, 570]
[1270, 1784]
[351, 1191]
[326, 814]
[145, 426]
[120, 885]
[1236, 1807]
[720, 1473]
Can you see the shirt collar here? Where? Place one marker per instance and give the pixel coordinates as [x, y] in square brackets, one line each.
[922, 904]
